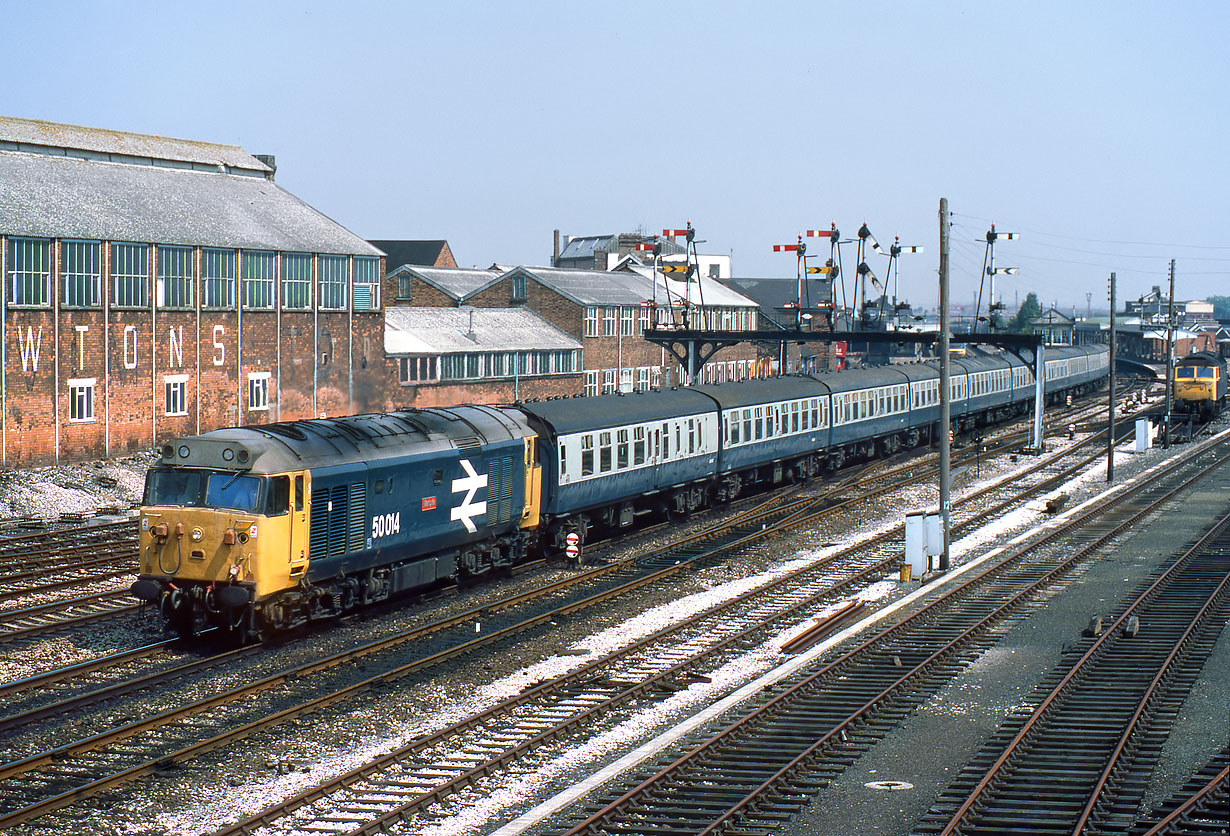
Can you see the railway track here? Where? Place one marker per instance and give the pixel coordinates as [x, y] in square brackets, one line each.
[758, 770]
[1201, 808]
[1095, 734]
[760, 518]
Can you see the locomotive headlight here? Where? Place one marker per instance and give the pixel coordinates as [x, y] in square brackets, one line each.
[197, 534]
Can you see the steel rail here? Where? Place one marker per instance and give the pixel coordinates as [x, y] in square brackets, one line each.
[1078, 669]
[596, 819]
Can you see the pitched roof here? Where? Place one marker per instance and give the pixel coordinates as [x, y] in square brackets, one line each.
[89, 195]
[37, 136]
[457, 282]
[452, 330]
[423, 253]
[592, 287]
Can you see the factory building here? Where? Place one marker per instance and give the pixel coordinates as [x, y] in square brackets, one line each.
[159, 287]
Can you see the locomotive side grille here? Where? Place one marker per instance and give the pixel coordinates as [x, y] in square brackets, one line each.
[468, 444]
[318, 530]
[500, 491]
[337, 520]
[358, 516]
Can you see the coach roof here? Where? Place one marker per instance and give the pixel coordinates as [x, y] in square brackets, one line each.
[570, 415]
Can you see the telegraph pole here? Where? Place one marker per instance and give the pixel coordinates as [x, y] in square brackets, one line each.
[1169, 356]
[1110, 423]
[945, 371]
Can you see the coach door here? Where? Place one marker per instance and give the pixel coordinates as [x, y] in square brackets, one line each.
[300, 502]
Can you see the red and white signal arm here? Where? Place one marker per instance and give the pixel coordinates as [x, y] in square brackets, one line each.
[839, 349]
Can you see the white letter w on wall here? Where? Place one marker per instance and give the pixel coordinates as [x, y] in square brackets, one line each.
[30, 347]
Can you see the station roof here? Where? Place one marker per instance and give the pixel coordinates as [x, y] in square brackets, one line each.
[435, 331]
[457, 282]
[116, 186]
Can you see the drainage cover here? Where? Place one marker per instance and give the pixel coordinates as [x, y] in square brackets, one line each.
[889, 786]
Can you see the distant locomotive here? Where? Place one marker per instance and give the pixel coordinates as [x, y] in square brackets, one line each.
[264, 528]
[1200, 385]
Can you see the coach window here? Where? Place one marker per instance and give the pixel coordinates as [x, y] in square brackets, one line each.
[759, 422]
[691, 436]
[638, 445]
[747, 425]
[666, 441]
[679, 438]
[587, 455]
[563, 459]
[734, 428]
[621, 458]
[604, 452]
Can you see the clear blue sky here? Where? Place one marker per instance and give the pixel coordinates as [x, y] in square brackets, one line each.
[1098, 131]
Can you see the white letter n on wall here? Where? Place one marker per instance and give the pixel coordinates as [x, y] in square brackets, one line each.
[176, 338]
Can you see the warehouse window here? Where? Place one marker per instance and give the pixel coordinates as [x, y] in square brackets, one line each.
[130, 275]
[81, 400]
[518, 288]
[257, 280]
[627, 322]
[258, 391]
[80, 267]
[333, 282]
[610, 319]
[173, 287]
[296, 281]
[30, 272]
[416, 369]
[366, 283]
[591, 383]
[175, 387]
[218, 277]
[591, 322]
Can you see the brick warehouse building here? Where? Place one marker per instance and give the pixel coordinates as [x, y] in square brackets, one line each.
[159, 287]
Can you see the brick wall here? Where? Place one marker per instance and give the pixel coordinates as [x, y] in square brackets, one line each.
[326, 362]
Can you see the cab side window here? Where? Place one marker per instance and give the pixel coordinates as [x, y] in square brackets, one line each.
[277, 501]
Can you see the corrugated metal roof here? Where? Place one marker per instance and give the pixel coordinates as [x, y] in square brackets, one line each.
[53, 135]
[594, 287]
[455, 281]
[68, 197]
[447, 331]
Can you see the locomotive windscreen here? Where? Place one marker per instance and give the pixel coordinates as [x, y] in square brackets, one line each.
[206, 489]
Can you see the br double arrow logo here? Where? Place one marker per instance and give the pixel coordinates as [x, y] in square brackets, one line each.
[468, 508]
